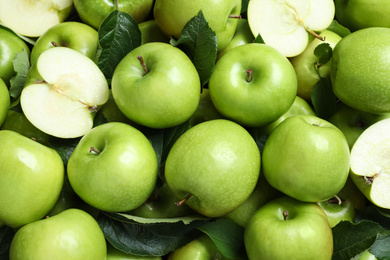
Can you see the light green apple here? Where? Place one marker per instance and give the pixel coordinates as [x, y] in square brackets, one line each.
[360, 14]
[75, 35]
[307, 67]
[116, 254]
[72, 234]
[253, 85]
[286, 228]
[213, 167]
[172, 15]
[93, 12]
[5, 101]
[33, 18]
[359, 70]
[156, 85]
[150, 32]
[31, 177]
[113, 167]
[366, 255]
[338, 209]
[307, 158]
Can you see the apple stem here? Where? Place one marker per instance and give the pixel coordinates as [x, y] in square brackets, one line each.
[314, 34]
[141, 60]
[248, 75]
[285, 214]
[116, 5]
[94, 150]
[336, 199]
[55, 44]
[183, 200]
[236, 16]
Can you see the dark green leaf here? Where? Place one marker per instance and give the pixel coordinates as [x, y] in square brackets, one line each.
[375, 214]
[244, 5]
[338, 28]
[118, 35]
[199, 42]
[259, 39]
[381, 247]
[323, 99]
[323, 52]
[21, 67]
[6, 235]
[64, 147]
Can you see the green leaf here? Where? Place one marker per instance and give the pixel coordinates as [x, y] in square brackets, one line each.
[6, 235]
[323, 52]
[118, 35]
[323, 99]
[259, 39]
[227, 236]
[21, 65]
[381, 247]
[244, 6]
[338, 28]
[373, 213]
[64, 147]
[199, 42]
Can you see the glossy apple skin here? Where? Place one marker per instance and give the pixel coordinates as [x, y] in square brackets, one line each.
[305, 234]
[164, 97]
[150, 32]
[5, 101]
[172, 15]
[336, 212]
[306, 158]
[72, 234]
[216, 161]
[359, 70]
[121, 176]
[265, 97]
[31, 177]
[75, 35]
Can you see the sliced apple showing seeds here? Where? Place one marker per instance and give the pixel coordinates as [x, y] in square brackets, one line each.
[370, 163]
[63, 91]
[286, 24]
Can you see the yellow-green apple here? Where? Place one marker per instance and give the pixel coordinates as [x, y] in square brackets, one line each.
[150, 32]
[338, 209]
[5, 101]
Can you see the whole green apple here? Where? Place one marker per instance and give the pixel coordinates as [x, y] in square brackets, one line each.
[150, 32]
[31, 177]
[93, 12]
[113, 167]
[172, 15]
[286, 228]
[75, 35]
[72, 234]
[307, 158]
[253, 85]
[116, 254]
[338, 209]
[5, 101]
[213, 167]
[156, 85]
[360, 70]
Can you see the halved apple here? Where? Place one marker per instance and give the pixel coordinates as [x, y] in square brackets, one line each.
[370, 163]
[63, 91]
[287, 24]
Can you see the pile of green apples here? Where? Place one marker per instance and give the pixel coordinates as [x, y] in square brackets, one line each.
[185, 130]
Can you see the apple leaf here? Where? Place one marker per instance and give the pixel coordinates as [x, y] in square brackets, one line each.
[21, 65]
[6, 235]
[244, 6]
[323, 99]
[199, 42]
[118, 35]
[338, 28]
[259, 39]
[381, 247]
[373, 213]
[323, 52]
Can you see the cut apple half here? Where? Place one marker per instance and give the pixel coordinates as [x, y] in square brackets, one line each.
[370, 163]
[33, 18]
[286, 24]
[63, 91]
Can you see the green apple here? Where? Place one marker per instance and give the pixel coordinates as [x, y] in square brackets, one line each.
[62, 93]
[156, 85]
[5, 101]
[288, 24]
[352, 194]
[33, 18]
[172, 15]
[307, 66]
[366, 255]
[116, 254]
[93, 12]
[113, 167]
[253, 85]
[338, 209]
[307, 158]
[75, 35]
[213, 167]
[359, 70]
[286, 228]
[72, 234]
[31, 177]
[10, 45]
[360, 14]
[370, 163]
[150, 32]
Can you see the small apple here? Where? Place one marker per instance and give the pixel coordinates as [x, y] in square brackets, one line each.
[113, 167]
[33, 18]
[253, 85]
[116, 254]
[338, 209]
[150, 32]
[213, 167]
[72, 234]
[286, 228]
[62, 93]
[287, 24]
[31, 177]
[5, 101]
[359, 70]
[156, 85]
[321, 165]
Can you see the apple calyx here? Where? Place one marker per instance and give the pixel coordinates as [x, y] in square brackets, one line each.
[248, 75]
[285, 214]
[370, 179]
[59, 45]
[94, 150]
[183, 200]
[141, 60]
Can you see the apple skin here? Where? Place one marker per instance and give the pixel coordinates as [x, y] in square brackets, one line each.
[5, 101]
[75, 35]
[336, 212]
[265, 97]
[216, 163]
[121, 175]
[366, 255]
[164, 97]
[172, 15]
[72, 234]
[359, 70]
[150, 32]
[93, 12]
[116, 254]
[323, 165]
[31, 177]
[306, 234]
